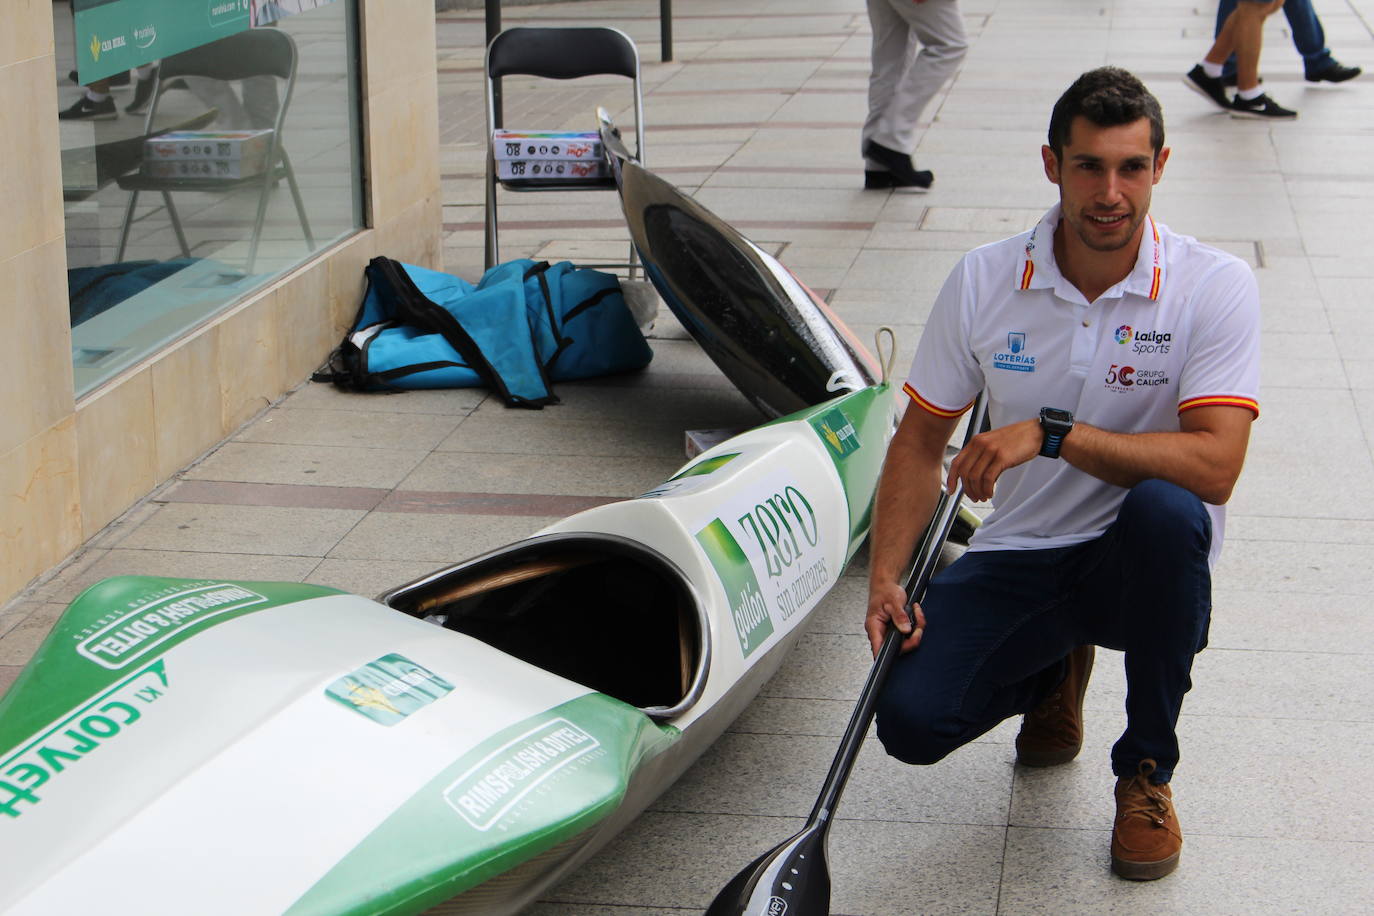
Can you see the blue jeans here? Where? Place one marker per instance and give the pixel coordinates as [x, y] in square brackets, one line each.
[999, 623]
[1308, 36]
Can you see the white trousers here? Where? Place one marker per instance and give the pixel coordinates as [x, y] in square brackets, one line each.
[916, 48]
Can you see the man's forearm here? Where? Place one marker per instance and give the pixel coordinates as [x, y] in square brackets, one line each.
[1204, 461]
[907, 494]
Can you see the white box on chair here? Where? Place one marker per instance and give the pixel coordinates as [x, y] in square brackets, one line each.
[247, 146]
[531, 145]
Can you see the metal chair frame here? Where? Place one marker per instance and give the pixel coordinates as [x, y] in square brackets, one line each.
[256, 52]
[556, 53]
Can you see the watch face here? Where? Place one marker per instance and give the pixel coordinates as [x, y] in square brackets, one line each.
[1056, 415]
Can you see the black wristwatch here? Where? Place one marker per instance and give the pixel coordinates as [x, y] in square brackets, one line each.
[1055, 423]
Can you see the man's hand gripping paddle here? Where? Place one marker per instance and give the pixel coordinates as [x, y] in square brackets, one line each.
[793, 878]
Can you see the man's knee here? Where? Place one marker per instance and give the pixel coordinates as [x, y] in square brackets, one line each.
[1159, 509]
[910, 732]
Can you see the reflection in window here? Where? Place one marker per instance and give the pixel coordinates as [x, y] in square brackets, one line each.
[192, 179]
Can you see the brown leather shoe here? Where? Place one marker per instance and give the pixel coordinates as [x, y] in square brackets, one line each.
[1052, 733]
[1146, 838]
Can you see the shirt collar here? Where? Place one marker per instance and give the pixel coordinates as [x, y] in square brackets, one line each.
[1036, 268]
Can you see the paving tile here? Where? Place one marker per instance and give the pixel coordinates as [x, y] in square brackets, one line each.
[177, 564]
[971, 786]
[18, 645]
[316, 465]
[243, 530]
[572, 475]
[359, 428]
[1056, 872]
[489, 434]
[436, 539]
[660, 861]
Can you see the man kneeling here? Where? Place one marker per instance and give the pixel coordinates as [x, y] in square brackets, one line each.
[1122, 364]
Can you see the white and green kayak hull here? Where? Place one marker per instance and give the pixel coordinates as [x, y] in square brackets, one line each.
[209, 747]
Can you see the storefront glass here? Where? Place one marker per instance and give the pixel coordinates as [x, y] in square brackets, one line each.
[224, 152]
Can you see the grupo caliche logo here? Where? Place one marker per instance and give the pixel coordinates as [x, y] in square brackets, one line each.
[1126, 378]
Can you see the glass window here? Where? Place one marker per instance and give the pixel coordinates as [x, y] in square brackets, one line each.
[207, 147]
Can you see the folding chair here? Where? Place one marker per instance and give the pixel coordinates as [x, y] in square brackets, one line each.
[241, 56]
[560, 54]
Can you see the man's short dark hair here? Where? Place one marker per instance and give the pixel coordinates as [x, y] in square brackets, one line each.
[1108, 97]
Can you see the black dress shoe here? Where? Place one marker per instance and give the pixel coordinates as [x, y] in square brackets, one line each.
[900, 173]
[877, 181]
[1333, 73]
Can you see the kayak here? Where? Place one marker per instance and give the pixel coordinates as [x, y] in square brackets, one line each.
[769, 333]
[232, 747]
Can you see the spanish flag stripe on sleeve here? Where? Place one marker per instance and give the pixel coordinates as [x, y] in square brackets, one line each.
[1220, 400]
[931, 408]
[1026, 273]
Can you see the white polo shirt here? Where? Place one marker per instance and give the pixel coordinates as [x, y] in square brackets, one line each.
[1180, 331]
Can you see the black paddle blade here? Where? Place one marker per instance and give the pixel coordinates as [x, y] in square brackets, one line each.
[791, 879]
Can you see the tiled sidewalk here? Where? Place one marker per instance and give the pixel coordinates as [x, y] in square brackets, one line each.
[758, 117]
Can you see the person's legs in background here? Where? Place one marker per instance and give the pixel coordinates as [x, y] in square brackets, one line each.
[1243, 35]
[1308, 37]
[95, 104]
[916, 49]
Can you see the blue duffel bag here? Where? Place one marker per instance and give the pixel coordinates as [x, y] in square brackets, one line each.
[524, 325]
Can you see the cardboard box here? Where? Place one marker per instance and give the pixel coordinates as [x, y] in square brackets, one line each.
[546, 145]
[517, 169]
[201, 168]
[247, 146]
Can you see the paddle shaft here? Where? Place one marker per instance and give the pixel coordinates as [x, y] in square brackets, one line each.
[918, 577]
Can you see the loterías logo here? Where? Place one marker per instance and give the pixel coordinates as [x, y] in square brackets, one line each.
[1123, 334]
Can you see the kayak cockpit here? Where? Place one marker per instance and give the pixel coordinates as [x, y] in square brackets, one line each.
[602, 611]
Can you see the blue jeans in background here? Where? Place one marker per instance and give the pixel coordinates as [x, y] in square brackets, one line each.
[999, 623]
[1308, 36]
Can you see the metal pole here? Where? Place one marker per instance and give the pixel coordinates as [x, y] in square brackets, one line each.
[494, 29]
[665, 28]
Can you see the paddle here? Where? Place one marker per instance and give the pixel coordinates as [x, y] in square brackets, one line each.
[793, 878]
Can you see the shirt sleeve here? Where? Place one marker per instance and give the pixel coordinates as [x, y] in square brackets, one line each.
[1222, 368]
[945, 376]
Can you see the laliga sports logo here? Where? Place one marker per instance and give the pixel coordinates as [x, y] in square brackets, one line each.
[1123, 334]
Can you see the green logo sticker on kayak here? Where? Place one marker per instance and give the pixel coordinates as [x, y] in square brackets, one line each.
[747, 607]
[496, 784]
[388, 689]
[708, 466]
[838, 433]
[137, 632]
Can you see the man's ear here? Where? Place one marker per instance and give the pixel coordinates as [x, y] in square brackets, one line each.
[1162, 158]
[1052, 163]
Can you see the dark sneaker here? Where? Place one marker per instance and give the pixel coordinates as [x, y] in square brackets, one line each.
[899, 170]
[1209, 87]
[1262, 108]
[86, 110]
[1052, 733]
[876, 180]
[1146, 837]
[1333, 73]
[1231, 81]
[143, 91]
